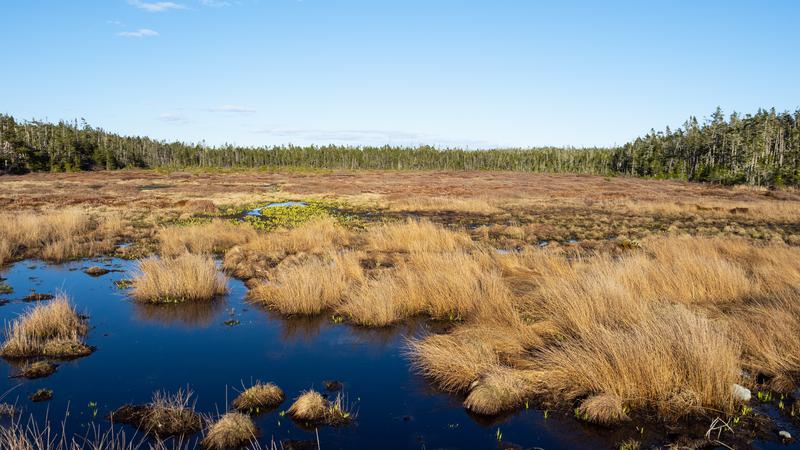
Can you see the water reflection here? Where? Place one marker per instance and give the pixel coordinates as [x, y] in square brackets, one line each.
[187, 314]
[299, 328]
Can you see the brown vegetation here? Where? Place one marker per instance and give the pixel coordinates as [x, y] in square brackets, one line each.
[259, 398]
[232, 430]
[309, 286]
[51, 329]
[166, 415]
[667, 329]
[311, 407]
[187, 277]
[255, 258]
[214, 237]
[415, 236]
[57, 236]
[650, 296]
[37, 369]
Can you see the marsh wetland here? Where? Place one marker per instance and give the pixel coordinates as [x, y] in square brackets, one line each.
[396, 310]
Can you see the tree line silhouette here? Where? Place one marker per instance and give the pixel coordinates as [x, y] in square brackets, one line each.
[758, 149]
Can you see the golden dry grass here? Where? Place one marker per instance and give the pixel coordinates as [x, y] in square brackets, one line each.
[442, 286]
[214, 237]
[667, 329]
[438, 204]
[6, 251]
[312, 408]
[378, 302]
[187, 277]
[510, 310]
[57, 236]
[674, 362]
[453, 361]
[254, 259]
[499, 389]
[603, 409]
[310, 286]
[52, 329]
[415, 236]
[259, 398]
[232, 430]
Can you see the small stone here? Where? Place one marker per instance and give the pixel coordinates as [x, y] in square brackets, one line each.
[741, 393]
[785, 435]
[96, 271]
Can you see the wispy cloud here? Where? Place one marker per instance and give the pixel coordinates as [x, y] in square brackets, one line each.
[114, 22]
[140, 33]
[156, 6]
[172, 117]
[232, 109]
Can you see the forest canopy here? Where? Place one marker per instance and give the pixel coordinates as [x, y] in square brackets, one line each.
[759, 149]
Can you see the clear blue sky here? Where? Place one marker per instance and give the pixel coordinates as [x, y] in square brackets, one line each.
[451, 73]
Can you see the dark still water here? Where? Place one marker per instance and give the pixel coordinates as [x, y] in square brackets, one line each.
[144, 348]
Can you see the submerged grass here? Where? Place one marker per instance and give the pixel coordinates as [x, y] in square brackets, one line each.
[187, 277]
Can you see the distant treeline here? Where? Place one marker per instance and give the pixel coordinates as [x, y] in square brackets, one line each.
[760, 149]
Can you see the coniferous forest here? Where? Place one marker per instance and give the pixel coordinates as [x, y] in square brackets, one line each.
[758, 149]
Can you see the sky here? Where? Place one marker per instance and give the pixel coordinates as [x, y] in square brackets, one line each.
[474, 74]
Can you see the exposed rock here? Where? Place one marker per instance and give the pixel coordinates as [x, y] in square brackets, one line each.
[741, 393]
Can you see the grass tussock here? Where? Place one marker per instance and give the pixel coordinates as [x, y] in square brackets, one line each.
[452, 361]
[499, 389]
[311, 407]
[665, 328]
[51, 329]
[258, 398]
[415, 236]
[674, 362]
[216, 236]
[187, 277]
[770, 335]
[603, 409]
[232, 430]
[447, 286]
[57, 236]
[378, 302]
[310, 286]
[259, 255]
[166, 415]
